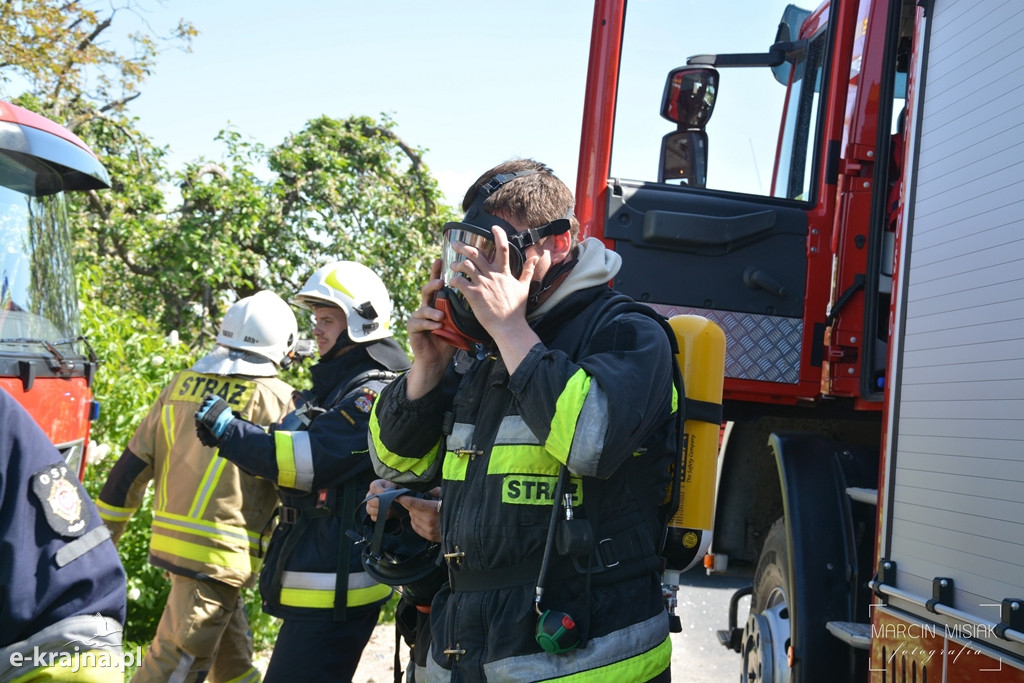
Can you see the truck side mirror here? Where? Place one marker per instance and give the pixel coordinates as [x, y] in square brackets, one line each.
[688, 101]
[684, 158]
[689, 96]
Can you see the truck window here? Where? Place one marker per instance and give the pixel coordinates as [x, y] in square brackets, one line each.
[658, 36]
[797, 147]
[37, 288]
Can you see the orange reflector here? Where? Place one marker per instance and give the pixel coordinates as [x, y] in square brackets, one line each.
[790, 656]
[709, 561]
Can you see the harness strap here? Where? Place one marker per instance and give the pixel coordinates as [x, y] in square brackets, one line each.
[299, 525]
[341, 391]
[704, 411]
[305, 509]
[344, 551]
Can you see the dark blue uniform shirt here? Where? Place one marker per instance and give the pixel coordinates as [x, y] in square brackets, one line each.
[56, 559]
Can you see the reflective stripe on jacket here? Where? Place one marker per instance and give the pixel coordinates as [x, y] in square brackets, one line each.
[316, 590]
[86, 648]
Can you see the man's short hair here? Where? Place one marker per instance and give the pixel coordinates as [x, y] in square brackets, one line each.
[533, 200]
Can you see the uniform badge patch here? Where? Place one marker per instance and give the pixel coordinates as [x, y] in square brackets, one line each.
[62, 499]
[364, 402]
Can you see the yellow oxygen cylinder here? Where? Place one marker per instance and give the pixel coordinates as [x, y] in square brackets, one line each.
[701, 361]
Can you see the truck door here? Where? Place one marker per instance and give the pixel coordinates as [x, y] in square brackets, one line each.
[734, 239]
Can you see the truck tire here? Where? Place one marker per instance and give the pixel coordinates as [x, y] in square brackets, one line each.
[766, 637]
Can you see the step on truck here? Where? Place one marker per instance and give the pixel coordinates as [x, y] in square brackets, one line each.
[842, 192]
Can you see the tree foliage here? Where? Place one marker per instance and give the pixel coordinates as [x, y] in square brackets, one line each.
[71, 57]
[338, 189]
[167, 250]
[181, 245]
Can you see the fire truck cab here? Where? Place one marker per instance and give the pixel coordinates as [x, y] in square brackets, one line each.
[45, 363]
[843, 199]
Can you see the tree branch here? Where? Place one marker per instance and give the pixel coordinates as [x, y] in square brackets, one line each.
[417, 161]
[117, 104]
[128, 133]
[100, 28]
[97, 205]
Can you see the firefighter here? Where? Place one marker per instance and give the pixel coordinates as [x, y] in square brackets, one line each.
[312, 577]
[62, 586]
[549, 422]
[209, 517]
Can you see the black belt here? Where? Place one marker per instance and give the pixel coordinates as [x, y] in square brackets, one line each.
[493, 579]
[290, 515]
[622, 551]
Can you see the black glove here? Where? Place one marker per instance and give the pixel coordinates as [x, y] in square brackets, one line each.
[212, 419]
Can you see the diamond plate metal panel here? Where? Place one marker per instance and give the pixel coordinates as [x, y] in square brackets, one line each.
[759, 347]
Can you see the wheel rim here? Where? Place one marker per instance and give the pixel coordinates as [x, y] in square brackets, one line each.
[766, 641]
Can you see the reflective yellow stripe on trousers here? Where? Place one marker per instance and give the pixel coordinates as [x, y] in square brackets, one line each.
[316, 589]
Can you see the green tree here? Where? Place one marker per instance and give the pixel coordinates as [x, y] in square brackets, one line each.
[66, 54]
[179, 246]
[338, 189]
[165, 251]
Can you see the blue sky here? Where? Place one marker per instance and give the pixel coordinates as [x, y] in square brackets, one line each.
[473, 82]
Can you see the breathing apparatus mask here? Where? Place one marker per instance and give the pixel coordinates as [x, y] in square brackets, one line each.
[460, 326]
[394, 554]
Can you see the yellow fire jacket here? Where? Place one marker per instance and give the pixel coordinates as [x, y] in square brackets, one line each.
[210, 519]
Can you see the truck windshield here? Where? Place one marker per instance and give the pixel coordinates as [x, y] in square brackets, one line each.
[37, 287]
[744, 130]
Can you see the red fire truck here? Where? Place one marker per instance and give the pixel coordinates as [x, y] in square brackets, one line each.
[871, 473]
[44, 361]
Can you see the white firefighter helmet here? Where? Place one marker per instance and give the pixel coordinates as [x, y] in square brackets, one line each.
[256, 336]
[356, 290]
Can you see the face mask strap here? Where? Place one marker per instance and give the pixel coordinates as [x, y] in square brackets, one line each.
[488, 188]
[528, 238]
[476, 215]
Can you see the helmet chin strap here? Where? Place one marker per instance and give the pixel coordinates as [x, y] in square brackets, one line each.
[342, 345]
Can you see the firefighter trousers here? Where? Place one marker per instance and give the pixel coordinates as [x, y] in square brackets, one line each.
[321, 651]
[203, 635]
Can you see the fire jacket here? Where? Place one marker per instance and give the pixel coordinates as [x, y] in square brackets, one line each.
[318, 458]
[62, 587]
[595, 396]
[209, 517]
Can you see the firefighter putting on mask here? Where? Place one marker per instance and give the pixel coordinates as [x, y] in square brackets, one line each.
[548, 416]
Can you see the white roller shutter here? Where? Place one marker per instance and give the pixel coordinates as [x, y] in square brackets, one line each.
[957, 488]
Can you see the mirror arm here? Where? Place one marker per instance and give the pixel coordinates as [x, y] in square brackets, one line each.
[777, 54]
